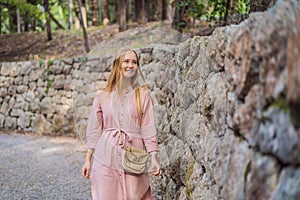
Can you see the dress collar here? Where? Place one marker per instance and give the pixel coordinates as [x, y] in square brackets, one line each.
[126, 91]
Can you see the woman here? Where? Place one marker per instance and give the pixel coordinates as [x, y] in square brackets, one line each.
[121, 116]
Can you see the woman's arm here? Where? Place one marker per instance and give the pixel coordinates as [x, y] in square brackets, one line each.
[87, 164]
[93, 134]
[149, 133]
[155, 166]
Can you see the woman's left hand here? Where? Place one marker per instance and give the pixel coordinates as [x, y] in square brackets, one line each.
[155, 166]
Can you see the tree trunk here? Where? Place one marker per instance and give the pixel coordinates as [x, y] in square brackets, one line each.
[0, 20]
[140, 11]
[26, 22]
[55, 21]
[164, 15]
[70, 20]
[94, 12]
[122, 15]
[18, 20]
[100, 11]
[77, 20]
[227, 9]
[48, 25]
[33, 28]
[85, 37]
[105, 11]
[128, 10]
[83, 13]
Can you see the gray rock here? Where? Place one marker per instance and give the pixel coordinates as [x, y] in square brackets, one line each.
[45, 105]
[3, 92]
[26, 68]
[16, 112]
[2, 120]
[10, 123]
[59, 82]
[40, 124]
[4, 108]
[5, 69]
[18, 80]
[29, 96]
[24, 120]
[21, 89]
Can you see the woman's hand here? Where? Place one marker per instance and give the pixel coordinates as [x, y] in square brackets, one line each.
[85, 171]
[155, 166]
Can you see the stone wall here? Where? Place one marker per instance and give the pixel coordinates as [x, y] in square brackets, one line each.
[227, 106]
[49, 97]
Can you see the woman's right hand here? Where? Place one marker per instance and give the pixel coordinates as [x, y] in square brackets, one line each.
[85, 171]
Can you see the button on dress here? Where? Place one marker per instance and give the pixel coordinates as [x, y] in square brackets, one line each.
[111, 112]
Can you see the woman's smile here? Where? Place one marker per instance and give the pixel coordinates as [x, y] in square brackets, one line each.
[129, 65]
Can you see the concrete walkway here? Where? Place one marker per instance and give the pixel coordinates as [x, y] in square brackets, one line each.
[41, 167]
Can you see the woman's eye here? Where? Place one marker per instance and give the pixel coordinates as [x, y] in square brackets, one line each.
[126, 61]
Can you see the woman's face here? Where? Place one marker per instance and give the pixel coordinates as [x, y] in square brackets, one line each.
[129, 65]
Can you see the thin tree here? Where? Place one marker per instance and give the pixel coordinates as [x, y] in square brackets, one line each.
[94, 12]
[122, 15]
[70, 19]
[227, 9]
[164, 10]
[18, 20]
[106, 16]
[1, 19]
[12, 19]
[100, 11]
[128, 10]
[55, 20]
[85, 37]
[83, 12]
[48, 25]
[140, 11]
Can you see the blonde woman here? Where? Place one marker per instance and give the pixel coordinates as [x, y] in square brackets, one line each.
[122, 115]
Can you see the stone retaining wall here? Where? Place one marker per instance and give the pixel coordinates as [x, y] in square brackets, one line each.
[41, 96]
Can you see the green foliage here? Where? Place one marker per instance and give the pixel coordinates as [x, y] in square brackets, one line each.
[25, 8]
[218, 8]
[197, 10]
[41, 62]
[189, 172]
[49, 84]
[50, 62]
[243, 7]
[83, 59]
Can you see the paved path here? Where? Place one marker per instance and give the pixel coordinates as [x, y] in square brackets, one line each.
[41, 167]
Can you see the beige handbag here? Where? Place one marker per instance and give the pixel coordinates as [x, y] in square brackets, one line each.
[134, 160]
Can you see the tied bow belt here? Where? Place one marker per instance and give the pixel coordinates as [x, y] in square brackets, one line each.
[122, 134]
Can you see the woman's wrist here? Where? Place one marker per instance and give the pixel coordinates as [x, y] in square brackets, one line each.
[89, 154]
[90, 151]
[153, 154]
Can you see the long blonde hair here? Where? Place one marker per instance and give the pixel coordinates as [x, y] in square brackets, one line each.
[115, 78]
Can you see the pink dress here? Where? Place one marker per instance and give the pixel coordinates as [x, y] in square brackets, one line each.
[110, 111]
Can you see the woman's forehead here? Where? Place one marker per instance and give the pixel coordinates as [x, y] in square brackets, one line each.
[130, 55]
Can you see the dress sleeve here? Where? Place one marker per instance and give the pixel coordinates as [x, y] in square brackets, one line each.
[148, 128]
[94, 127]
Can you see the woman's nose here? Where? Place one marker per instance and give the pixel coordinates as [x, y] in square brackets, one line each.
[130, 64]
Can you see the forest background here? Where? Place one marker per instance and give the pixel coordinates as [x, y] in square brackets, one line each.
[52, 29]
